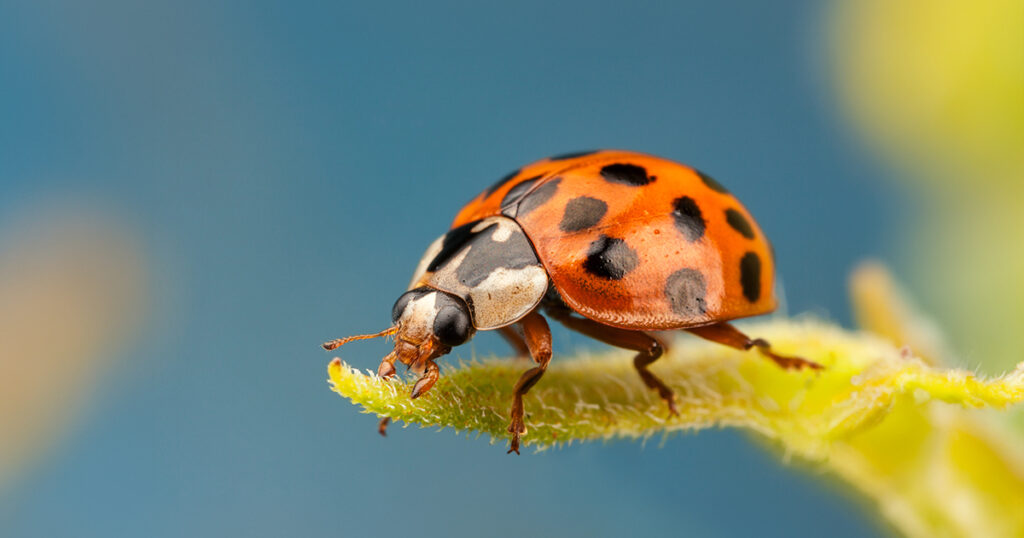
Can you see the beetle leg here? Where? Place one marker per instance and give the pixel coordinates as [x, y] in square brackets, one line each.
[649, 347]
[515, 339]
[387, 366]
[386, 370]
[537, 337]
[427, 380]
[726, 334]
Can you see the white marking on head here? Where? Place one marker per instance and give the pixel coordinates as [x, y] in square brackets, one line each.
[417, 320]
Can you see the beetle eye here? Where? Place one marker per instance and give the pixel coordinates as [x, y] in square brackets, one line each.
[452, 326]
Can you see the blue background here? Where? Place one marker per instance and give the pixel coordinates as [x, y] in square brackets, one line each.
[287, 163]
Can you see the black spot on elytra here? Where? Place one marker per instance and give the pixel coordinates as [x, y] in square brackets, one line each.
[451, 243]
[626, 174]
[739, 223]
[686, 291]
[497, 185]
[572, 155]
[711, 183]
[516, 193]
[750, 276]
[611, 258]
[535, 199]
[485, 255]
[582, 213]
[688, 217]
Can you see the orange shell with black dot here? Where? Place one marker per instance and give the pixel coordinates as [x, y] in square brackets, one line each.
[636, 241]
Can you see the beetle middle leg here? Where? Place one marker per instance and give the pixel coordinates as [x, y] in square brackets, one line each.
[726, 334]
[537, 337]
[649, 347]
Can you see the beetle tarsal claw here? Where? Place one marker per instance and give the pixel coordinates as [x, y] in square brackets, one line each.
[425, 382]
[387, 366]
[788, 363]
[386, 369]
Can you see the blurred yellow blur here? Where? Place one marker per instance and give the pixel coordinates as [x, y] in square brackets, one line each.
[937, 85]
[937, 88]
[934, 470]
[72, 289]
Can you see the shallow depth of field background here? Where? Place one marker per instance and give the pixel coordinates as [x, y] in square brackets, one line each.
[194, 195]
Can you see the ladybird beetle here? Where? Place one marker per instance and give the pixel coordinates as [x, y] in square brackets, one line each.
[612, 244]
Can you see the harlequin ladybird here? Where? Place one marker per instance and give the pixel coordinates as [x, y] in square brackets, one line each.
[612, 244]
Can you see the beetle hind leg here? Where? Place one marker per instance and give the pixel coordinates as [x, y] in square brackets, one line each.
[726, 334]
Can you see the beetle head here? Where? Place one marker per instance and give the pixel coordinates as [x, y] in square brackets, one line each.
[428, 323]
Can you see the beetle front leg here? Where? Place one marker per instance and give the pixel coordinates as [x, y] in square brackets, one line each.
[427, 380]
[386, 370]
[538, 339]
[387, 366]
